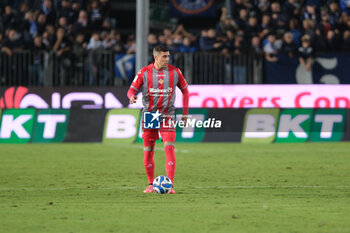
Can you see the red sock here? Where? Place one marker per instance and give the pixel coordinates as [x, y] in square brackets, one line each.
[170, 163]
[149, 165]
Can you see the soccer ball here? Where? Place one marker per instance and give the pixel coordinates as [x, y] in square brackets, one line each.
[162, 184]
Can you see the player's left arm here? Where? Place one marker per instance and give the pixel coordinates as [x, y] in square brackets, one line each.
[183, 85]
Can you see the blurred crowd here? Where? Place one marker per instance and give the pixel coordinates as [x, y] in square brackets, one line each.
[254, 26]
[292, 27]
[58, 25]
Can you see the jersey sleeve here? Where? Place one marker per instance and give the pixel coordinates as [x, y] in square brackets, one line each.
[136, 84]
[138, 81]
[182, 84]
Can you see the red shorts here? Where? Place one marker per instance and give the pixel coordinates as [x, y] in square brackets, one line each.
[168, 135]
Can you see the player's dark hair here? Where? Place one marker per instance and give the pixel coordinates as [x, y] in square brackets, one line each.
[160, 48]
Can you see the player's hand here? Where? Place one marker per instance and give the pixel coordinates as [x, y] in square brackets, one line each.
[184, 119]
[133, 99]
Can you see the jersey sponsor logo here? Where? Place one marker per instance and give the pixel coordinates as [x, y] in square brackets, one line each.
[160, 92]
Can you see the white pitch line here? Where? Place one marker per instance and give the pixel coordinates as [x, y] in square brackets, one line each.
[179, 187]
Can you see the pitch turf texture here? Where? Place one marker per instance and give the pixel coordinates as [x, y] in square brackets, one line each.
[219, 188]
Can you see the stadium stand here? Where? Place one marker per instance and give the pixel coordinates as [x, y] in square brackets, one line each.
[74, 42]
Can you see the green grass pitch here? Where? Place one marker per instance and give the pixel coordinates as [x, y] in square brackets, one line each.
[221, 187]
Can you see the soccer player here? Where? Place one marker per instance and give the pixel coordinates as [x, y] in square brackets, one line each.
[158, 82]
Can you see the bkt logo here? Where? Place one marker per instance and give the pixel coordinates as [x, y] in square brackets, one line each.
[151, 120]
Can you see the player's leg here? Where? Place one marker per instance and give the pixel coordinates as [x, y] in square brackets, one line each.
[149, 139]
[170, 161]
[148, 161]
[169, 149]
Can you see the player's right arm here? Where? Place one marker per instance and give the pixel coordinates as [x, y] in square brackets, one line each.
[135, 87]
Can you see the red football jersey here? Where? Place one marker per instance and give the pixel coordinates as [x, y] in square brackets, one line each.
[158, 87]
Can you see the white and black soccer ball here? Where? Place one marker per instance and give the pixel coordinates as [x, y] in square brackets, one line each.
[162, 184]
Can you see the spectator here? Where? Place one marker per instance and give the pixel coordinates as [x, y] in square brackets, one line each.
[107, 40]
[306, 53]
[32, 24]
[324, 25]
[63, 23]
[278, 19]
[130, 45]
[41, 23]
[49, 12]
[275, 10]
[271, 48]
[75, 11]
[252, 29]
[334, 13]
[105, 8]
[239, 70]
[63, 47]
[96, 69]
[288, 46]
[167, 33]
[1, 40]
[8, 19]
[186, 47]
[170, 45]
[290, 9]
[308, 27]
[242, 20]
[208, 42]
[106, 25]
[311, 13]
[66, 11]
[36, 71]
[95, 42]
[264, 6]
[161, 39]
[333, 40]
[81, 26]
[346, 41]
[79, 47]
[240, 46]
[119, 47]
[177, 41]
[255, 45]
[12, 43]
[21, 22]
[229, 41]
[50, 36]
[294, 29]
[266, 26]
[94, 11]
[345, 6]
[180, 30]
[237, 6]
[152, 42]
[225, 23]
[318, 41]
